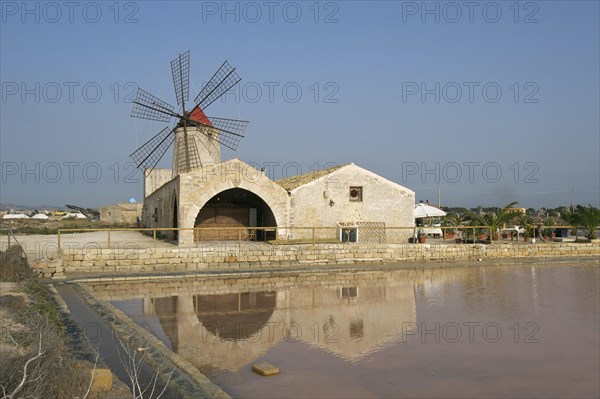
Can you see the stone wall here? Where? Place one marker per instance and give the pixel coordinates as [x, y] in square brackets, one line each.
[156, 179]
[214, 256]
[158, 210]
[327, 201]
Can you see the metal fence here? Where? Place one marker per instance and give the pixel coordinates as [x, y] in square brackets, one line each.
[360, 233]
[299, 235]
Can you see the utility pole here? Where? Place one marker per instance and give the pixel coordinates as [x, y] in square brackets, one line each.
[439, 203]
[572, 200]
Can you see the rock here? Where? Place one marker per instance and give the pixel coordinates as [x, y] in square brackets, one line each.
[265, 369]
[102, 380]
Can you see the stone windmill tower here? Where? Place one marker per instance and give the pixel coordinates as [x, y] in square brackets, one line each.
[197, 137]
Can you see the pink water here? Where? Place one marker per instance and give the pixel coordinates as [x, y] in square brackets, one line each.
[516, 331]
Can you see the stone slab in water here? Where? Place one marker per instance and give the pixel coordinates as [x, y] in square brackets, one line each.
[265, 369]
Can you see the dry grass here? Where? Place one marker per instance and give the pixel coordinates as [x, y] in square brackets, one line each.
[35, 360]
[14, 267]
[39, 363]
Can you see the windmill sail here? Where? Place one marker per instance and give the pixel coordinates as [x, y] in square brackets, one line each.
[147, 106]
[196, 136]
[187, 156]
[180, 69]
[150, 153]
[224, 79]
[231, 131]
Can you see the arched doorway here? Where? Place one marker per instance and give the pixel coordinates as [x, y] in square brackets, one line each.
[235, 317]
[236, 209]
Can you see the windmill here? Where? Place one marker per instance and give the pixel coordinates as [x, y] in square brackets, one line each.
[197, 137]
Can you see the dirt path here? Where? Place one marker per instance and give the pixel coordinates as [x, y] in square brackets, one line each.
[40, 246]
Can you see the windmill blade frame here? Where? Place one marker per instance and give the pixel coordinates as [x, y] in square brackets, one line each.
[228, 138]
[189, 158]
[224, 79]
[233, 126]
[151, 152]
[180, 69]
[227, 132]
[147, 106]
[231, 131]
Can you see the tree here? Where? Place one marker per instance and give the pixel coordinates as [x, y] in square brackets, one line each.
[494, 220]
[456, 219]
[588, 217]
[527, 221]
[549, 227]
[572, 219]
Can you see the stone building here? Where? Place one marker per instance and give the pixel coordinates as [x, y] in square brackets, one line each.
[122, 213]
[346, 201]
[216, 324]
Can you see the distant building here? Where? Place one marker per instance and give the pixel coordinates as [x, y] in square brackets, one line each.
[122, 213]
[515, 210]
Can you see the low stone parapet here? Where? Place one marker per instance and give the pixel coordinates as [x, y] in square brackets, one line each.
[49, 268]
[259, 255]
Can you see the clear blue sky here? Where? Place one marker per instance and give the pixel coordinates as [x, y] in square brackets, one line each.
[408, 90]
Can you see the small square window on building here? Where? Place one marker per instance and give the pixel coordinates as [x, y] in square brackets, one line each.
[356, 193]
[349, 292]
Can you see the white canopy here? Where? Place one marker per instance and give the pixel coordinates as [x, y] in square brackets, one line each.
[40, 216]
[425, 210]
[15, 216]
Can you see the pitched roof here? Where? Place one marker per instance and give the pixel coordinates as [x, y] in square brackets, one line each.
[290, 183]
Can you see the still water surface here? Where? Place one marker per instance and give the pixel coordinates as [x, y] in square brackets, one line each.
[493, 331]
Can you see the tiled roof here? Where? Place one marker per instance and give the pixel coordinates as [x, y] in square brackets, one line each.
[290, 183]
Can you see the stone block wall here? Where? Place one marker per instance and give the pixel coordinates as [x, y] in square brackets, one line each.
[257, 255]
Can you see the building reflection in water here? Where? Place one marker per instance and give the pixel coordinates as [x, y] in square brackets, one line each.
[214, 326]
[319, 326]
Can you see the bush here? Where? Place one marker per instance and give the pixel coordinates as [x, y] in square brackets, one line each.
[13, 266]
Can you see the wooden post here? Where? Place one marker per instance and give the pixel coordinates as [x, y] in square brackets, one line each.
[58, 251]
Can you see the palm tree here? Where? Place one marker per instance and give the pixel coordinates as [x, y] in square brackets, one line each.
[572, 218]
[589, 217]
[527, 221]
[549, 227]
[494, 220]
[455, 219]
